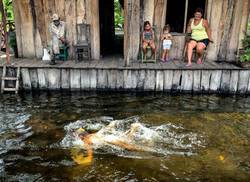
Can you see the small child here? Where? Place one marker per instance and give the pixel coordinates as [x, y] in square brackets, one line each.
[148, 38]
[166, 39]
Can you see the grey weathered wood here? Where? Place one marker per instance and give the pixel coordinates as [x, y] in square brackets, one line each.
[248, 89]
[102, 80]
[1, 74]
[18, 79]
[85, 80]
[127, 79]
[159, 81]
[197, 81]
[93, 79]
[119, 80]
[42, 79]
[75, 79]
[149, 82]
[2, 81]
[134, 76]
[187, 80]
[130, 79]
[205, 80]
[34, 78]
[225, 81]
[234, 81]
[132, 29]
[243, 81]
[177, 79]
[168, 78]
[9, 78]
[54, 79]
[215, 80]
[112, 75]
[65, 76]
[141, 79]
[150, 77]
[26, 78]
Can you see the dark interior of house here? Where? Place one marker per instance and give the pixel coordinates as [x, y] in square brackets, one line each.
[110, 42]
[176, 13]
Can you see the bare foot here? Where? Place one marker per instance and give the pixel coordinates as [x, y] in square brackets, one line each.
[199, 61]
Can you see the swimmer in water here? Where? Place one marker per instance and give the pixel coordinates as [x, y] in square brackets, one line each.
[125, 142]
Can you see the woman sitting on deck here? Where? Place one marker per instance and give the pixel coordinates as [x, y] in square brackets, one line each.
[200, 36]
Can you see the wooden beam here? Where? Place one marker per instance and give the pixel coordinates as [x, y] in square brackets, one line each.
[3, 12]
[148, 11]
[185, 17]
[92, 18]
[131, 30]
[160, 9]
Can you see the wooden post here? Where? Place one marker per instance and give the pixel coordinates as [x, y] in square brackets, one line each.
[92, 18]
[160, 9]
[131, 30]
[185, 19]
[3, 12]
[148, 11]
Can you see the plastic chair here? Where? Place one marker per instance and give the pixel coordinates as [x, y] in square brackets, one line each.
[147, 58]
[63, 55]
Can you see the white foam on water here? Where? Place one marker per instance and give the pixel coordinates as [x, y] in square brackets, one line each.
[166, 139]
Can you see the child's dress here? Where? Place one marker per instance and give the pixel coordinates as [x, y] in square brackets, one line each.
[167, 42]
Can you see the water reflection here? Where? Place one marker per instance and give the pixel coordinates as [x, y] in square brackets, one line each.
[33, 125]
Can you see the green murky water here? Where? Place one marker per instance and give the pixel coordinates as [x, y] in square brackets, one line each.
[32, 127]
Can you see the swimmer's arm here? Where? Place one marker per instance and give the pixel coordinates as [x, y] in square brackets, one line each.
[125, 145]
[79, 158]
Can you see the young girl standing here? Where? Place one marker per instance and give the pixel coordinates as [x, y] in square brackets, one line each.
[166, 39]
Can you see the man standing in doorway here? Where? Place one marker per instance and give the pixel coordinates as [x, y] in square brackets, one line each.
[57, 31]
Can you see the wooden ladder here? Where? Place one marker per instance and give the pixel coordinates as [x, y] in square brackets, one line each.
[10, 78]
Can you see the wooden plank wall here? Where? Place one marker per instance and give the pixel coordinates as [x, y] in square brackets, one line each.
[163, 80]
[131, 29]
[227, 18]
[228, 21]
[32, 19]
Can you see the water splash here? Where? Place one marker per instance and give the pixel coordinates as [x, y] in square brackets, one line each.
[146, 139]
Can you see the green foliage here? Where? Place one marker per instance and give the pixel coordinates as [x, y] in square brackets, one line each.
[9, 14]
[246, 56]
[119, 19]
[246, 42]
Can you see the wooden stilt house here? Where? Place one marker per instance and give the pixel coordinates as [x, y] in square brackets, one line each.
[227, 18]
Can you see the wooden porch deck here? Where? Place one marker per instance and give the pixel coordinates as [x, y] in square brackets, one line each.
[110, 74]
[118, 63]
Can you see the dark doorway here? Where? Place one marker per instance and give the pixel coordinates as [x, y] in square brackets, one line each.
[176, 12]
[175, 15]
[111, 28]
[193, 4]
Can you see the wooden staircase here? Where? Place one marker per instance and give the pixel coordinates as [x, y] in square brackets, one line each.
[6, 78]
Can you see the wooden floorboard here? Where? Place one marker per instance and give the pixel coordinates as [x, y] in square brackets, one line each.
[118, 63]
